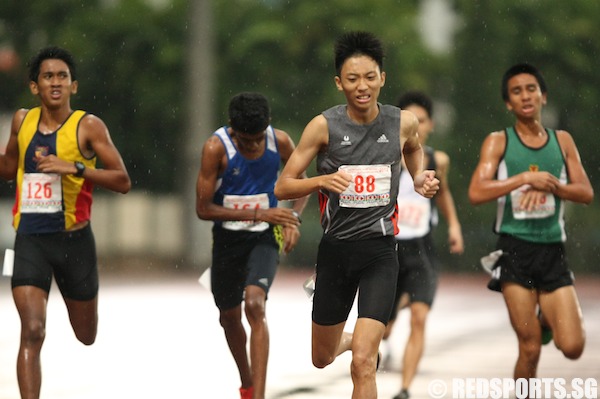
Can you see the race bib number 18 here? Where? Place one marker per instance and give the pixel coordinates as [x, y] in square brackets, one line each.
[370, 186]
[41, 193]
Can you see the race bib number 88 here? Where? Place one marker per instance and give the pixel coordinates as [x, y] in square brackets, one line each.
[370, 186]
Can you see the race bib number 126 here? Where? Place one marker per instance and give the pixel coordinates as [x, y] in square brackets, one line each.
[41, 193]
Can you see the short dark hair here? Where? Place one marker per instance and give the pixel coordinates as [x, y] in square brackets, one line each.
[416, 98]
[357, 43]
[518, 69]
[51, 53]
[249, 112]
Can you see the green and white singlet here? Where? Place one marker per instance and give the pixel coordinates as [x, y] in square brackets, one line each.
[546, 223]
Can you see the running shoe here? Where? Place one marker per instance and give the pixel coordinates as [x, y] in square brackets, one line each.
[247, 393]
[402, 395]
[385, 355]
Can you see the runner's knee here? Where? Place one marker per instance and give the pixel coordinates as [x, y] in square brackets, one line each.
[33, 332]
[531, 349]
[86, 337]
[230, 318]
[322, 360]
[572, 349]
[254, 306]
[362, 365]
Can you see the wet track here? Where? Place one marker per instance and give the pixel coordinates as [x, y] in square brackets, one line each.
[159, 338]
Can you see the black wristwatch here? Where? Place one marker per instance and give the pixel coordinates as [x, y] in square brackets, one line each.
[80, 169]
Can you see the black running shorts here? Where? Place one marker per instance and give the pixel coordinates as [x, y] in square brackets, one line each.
[531, 265]
[343, 267]
[418, 273]
[69, 256]
[240, 259]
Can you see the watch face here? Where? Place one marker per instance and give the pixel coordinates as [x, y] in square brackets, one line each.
[80, 168]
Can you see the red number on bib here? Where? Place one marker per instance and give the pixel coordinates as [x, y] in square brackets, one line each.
[358, 184]
[39, 191]
[370, 183]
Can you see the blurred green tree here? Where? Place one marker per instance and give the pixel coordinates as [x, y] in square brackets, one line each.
[285, 50]
[130, 58]
[133, 58]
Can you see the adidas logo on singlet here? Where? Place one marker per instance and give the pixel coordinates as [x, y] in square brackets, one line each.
[383, 139]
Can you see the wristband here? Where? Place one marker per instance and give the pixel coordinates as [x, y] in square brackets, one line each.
[297, 216]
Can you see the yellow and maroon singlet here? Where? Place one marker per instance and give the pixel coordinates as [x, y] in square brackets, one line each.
[49, 202]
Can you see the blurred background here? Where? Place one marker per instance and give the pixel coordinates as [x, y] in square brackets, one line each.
[160, 74]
